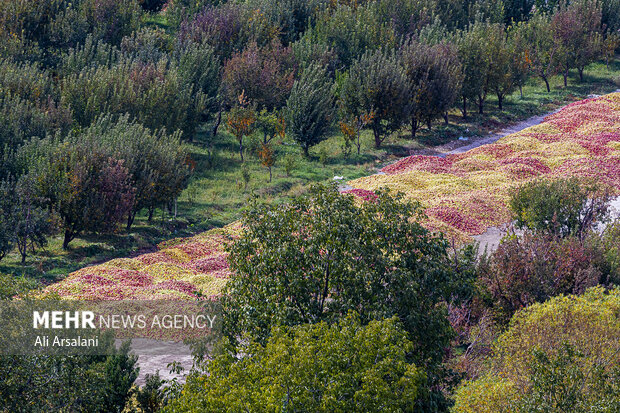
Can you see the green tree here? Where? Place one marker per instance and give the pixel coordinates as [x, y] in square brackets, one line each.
[265, 75]
[535, 38]
[350, 32]
[517, 10]
[321, 255]
[315, 368]
[90, 190]
[576, 26]
[200, 67]
[157, 162]
[28, 223]
[562, 207]
[559, 356]
[377, 83]
[435, 77]
[68, 383]
[310, 108]
[501, 79]
[476, 60]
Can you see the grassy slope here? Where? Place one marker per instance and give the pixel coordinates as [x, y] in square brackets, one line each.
[217, 192]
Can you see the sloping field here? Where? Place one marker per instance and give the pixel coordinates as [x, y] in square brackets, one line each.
[467, 193]
[182, 268]
[464, 195]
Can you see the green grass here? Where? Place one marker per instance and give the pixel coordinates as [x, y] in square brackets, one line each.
[217, 192]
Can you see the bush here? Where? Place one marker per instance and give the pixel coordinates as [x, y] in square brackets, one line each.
[306, 373]
[535, 267]
[563, 207]
[559, 356]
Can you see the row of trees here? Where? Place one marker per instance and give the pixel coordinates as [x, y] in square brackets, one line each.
[387, 70]
[89, 181]
[418, 81]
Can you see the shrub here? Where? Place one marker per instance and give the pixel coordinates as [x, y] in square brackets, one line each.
[568, 206]
[299, 361]
[536, 267]
[310, 108]
[561, 356]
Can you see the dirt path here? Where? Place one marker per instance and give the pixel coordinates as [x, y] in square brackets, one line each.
[465, 144]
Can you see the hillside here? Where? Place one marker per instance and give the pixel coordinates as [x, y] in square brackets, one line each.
[463, 195]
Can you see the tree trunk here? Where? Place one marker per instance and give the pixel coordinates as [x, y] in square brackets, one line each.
[429, 123]
[270, 174]
[446, 119]
[580, 70]
[565, 75]
[378, 139]
[521, 91]
[130, 219]
[306, 151]
[464, 109]
[67, 239]
[414, 127]
[546, 83]
[151, 212]
[241, 149]
[480, 105]
[500, 101]
[218, 120]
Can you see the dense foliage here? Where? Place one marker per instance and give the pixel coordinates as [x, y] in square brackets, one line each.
[555, 357]
[304, 369]
[99, 97]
